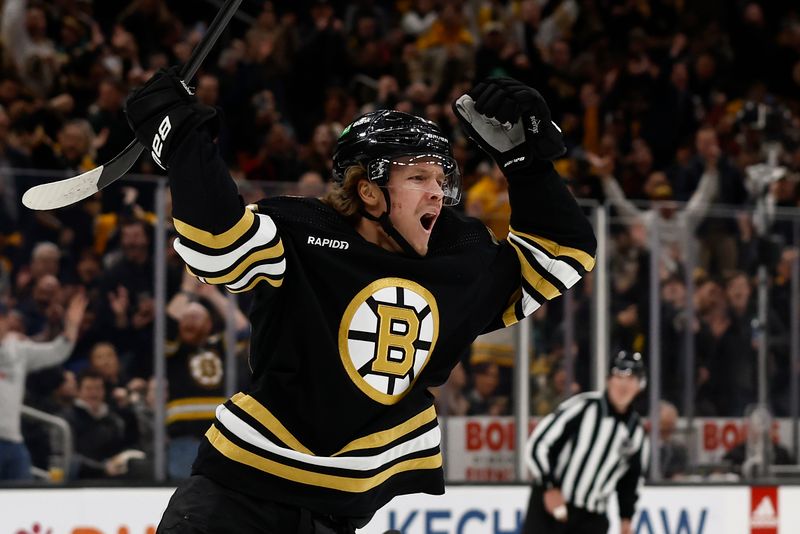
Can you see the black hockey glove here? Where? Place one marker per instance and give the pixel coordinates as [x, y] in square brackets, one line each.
[511, 122]
[163, 111]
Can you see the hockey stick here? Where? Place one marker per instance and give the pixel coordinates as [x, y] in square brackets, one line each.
[71, 190]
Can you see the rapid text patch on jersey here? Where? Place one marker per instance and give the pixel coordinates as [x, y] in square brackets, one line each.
[330, 243]
[386, 337]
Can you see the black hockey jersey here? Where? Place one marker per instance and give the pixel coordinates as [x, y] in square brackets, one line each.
[347, 337]
[195, 375]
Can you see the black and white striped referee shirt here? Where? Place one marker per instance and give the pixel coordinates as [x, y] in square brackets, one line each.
[589, 451]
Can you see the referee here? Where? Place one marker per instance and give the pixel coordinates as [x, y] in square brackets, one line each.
[592, 445]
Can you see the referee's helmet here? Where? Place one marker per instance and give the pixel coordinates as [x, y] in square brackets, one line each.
[627, 363]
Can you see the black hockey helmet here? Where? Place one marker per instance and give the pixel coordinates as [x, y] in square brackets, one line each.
[378, 138]
[629, 364]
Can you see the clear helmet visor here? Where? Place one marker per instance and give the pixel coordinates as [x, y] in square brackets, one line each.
[626, 372]
[431, 173]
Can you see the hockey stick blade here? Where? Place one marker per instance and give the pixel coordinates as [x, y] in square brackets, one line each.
[71, 190]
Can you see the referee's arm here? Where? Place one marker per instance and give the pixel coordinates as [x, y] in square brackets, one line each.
[549, 438]
[630, 483]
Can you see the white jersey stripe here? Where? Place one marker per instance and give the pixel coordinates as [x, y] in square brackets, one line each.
[248, 434]
[275, 269]
[560, 269]
[529, 304]
[213, 264]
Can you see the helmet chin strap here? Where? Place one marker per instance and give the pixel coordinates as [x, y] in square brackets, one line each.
[389, 228]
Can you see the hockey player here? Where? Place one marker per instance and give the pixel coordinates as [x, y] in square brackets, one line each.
[592, 446]
[363, 300]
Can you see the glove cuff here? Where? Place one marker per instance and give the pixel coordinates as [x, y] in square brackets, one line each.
[547, 142]
[162, 134]
[534, 167]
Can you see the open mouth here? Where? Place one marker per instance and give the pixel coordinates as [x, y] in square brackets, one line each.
[427, 221]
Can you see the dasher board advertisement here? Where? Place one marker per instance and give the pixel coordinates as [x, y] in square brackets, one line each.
[462, 510]
[482, 448]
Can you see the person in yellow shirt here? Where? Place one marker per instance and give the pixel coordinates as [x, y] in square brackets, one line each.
[488, 201]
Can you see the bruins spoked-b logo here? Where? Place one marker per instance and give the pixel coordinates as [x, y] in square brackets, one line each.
[206, 369]
[386, 337]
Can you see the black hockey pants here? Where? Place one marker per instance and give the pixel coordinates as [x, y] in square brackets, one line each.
[201, 506]
[579, 521]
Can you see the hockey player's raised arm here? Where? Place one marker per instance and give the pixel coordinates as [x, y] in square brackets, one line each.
[221, 241]
[552, 239]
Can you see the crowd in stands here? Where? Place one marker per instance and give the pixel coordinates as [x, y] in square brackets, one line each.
[664, 106]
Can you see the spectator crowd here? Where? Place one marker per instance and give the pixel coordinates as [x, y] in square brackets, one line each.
[665, 107]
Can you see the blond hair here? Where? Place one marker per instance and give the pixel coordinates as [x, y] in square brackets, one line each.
[344, 197]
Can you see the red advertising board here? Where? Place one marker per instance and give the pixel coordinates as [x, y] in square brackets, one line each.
[764, 510]
[481, 448]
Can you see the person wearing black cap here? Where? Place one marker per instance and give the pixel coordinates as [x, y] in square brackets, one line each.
[592, 446]
[363, 300]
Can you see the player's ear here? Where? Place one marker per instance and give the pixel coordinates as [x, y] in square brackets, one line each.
[369, 193]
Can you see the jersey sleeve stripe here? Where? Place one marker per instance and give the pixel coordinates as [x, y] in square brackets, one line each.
[510, 316]
[271, 272]
[555, 250]
[563, 271]
[536, 280]
[549, 277]
[274, 252]
[523, 305]
[254, 229]
[223, 240]
[266, 234]
[513, 312]
[529, 304]
[257, 280]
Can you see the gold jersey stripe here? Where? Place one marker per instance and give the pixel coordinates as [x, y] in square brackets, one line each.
[384, 437]
[261, 414]
[225, 239]
[191, 416]
[196, 400]
[352, 485]
[510, 314]
[586, 260]
[274, 251]
[536, 280]
[255, 281]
